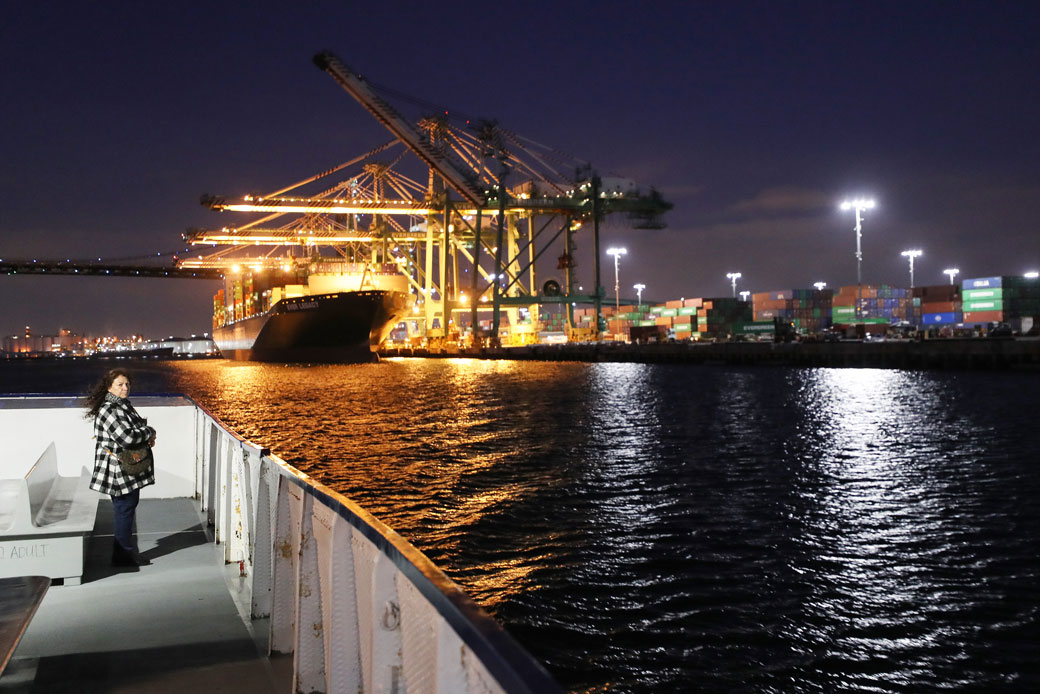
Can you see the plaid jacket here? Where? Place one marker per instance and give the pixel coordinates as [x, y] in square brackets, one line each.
[118, 426]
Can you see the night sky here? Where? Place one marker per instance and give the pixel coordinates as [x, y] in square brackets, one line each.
[754, 118]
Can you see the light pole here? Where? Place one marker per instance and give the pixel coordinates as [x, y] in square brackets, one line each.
[911, 254]
[744, 295]
[859, 204]
[952, 272]
[733, 277]
[617, 253]
[639, 293]
[819, 286]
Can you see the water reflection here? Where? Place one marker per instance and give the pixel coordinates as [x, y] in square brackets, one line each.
[645, 528]
[883, 554]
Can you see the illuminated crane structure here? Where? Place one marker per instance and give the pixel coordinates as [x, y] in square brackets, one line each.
[492, 201]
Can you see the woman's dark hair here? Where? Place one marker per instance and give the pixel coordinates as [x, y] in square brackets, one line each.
[97, 394]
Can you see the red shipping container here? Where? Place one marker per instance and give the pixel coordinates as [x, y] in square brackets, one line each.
[983, 316]
[939, 307]
[937, 293]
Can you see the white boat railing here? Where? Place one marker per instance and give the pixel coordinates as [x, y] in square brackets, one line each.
[358, 607]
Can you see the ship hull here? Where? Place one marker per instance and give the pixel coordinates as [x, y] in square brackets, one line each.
[338, 327]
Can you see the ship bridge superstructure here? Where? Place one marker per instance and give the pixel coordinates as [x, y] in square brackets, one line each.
[445, 198]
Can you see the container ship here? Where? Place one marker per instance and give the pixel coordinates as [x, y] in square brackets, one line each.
[320, 311]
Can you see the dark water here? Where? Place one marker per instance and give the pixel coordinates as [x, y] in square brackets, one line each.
[656, 528]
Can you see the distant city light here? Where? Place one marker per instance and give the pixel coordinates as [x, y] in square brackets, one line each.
[952, 272]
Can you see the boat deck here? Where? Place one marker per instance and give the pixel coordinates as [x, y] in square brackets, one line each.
[172, 626]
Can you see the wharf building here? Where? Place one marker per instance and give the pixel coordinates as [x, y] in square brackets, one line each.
[27, 344]
[69, 344]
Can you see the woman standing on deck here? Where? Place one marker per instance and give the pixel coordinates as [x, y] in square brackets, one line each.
[117, 426]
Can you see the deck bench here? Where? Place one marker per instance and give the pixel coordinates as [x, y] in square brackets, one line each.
[19, 598]
[45, 522]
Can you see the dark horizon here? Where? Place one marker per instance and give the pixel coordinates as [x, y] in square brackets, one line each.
[754, 119]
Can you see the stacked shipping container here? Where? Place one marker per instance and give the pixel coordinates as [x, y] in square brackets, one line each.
[687, 318]
[809, 309]
[722, 317]
[999, 299]
[881, 303]
[552, 318]
[680, 315]
[988, 299]
[939, 304]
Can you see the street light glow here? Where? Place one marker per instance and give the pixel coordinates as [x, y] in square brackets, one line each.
[617, 252]
[859, 204]
[952, 272]
[911, 254]
[1031, 275]
[819, 286]
[733, 277]
[639, 292]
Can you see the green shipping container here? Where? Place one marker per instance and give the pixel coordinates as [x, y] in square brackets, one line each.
[986, 305]
[670, 312]
[688, 311]
[996, 293]
[755, 328]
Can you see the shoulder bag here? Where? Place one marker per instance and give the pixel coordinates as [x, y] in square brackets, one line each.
[136, 460]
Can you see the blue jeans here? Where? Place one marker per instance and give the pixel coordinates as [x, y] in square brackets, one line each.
[125, 512]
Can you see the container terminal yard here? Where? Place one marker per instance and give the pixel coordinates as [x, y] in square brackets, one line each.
[978, 307]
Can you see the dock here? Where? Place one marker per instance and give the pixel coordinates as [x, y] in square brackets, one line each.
[953, 353]
[171, 626]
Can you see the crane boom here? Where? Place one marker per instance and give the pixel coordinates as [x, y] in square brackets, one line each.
[358, 88]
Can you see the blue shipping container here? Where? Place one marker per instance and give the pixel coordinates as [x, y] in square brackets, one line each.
[941, 318]
[981, 283]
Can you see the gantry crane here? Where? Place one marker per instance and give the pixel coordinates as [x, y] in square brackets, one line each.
[481, 181]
